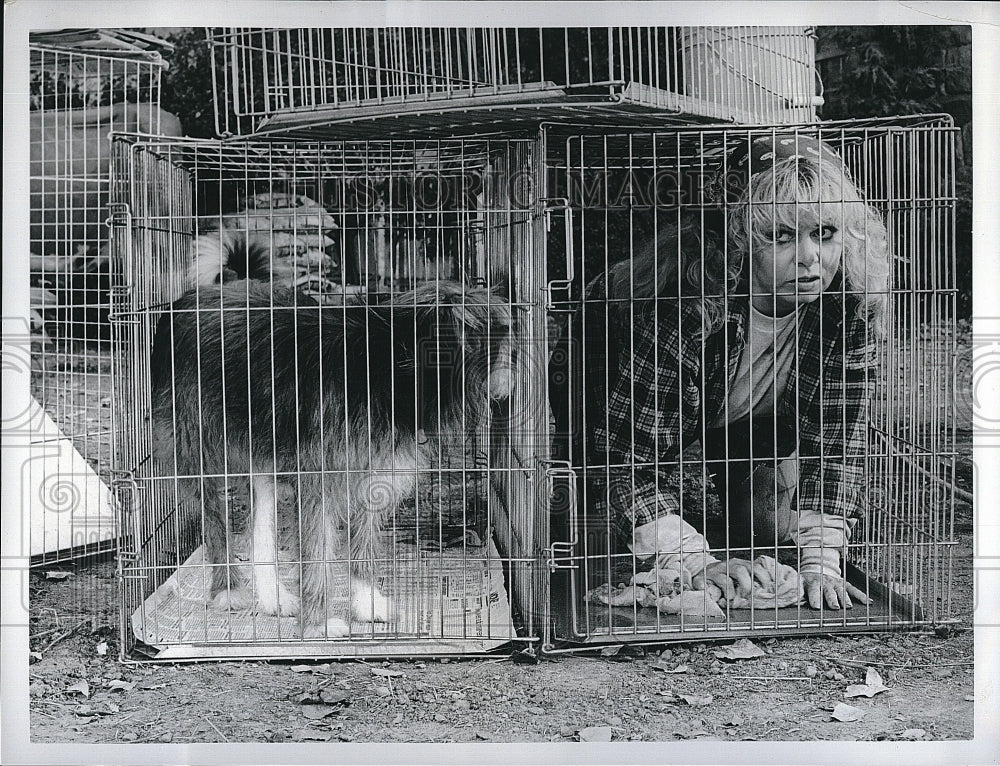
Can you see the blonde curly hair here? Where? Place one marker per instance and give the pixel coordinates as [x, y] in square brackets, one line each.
[691, 257]
[799, 192]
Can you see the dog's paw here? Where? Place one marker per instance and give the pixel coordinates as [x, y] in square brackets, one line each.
[283, 604]
[287, 604]
[333, 628]
[233, 600]
[368, 604]
[273, 596]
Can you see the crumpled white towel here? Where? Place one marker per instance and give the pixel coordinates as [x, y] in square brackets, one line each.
[669, 591]
[774, 586]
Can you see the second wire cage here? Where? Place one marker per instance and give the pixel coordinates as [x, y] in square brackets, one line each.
[486, 78]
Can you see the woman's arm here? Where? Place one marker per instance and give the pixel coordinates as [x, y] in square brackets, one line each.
[833, 449]
[654, 409]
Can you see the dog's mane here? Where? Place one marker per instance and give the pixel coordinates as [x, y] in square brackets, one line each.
[386, 368]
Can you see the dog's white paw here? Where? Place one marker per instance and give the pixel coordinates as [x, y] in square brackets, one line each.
[234, 600]
[272, 595]
[287, 604]
[334, 628]
[368, 604]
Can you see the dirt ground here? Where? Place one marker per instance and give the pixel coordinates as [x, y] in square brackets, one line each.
[80, 692]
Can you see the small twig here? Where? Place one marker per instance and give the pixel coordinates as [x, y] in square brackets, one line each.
[771, 678]
[62, 636]
[224, 738]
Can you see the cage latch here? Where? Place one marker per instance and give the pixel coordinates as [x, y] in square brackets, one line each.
[559, 556]
[119, 214]
[561, 480]
[124, 498]
[557, 290]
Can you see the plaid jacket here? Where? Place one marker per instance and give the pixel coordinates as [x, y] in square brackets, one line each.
[638, 394]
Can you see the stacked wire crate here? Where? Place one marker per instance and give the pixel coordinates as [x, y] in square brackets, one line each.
[84, 84]
[457, 153]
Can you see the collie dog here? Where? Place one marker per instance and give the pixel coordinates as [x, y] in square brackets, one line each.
[253, 383]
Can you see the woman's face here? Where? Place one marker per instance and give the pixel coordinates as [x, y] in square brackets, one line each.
[796, 259]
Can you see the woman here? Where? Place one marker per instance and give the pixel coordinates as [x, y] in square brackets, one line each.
[753, 332]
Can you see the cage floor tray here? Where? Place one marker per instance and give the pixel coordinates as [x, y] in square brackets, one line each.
[580, 621]
[450, 601]
[499, 110]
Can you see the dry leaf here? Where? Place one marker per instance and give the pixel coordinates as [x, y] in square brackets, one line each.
[308, 697]
[913, 734]
[595, 734]
[678, 669]
[121, 686]
[301, 668]
[56, 575]
[102, 648]
[335, 696]
[81, 687]
[872, 678]
[744, 649]
[610, 651]
[873, 685]
[847, 713]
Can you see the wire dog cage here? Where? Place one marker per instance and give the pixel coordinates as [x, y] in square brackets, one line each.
[652, 424]
[409, 80]
[383, 218]
[83, 84]
[505, 537]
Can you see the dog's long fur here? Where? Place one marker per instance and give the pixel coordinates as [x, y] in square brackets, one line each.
[250, 382]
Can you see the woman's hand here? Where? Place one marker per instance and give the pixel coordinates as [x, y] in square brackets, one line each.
[836, 591]
[733, 578]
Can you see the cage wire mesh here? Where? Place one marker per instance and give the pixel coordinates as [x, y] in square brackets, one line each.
[352, 226]
[83, 85]
[477, 78]
[657, 417]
